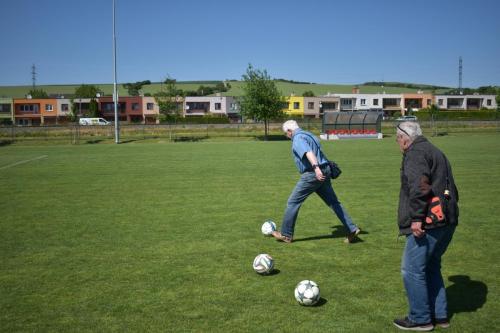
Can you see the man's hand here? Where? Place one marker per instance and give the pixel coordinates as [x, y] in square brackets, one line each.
[416, 229]
[319, 174]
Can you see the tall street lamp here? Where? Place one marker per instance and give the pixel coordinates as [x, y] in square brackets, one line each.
[115, 91]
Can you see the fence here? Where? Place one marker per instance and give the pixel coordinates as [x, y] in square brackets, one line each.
[76, 134]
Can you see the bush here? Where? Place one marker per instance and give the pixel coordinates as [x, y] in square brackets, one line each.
[424, 114]
[196, 120]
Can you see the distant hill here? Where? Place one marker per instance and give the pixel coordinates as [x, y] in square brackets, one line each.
[286, 87]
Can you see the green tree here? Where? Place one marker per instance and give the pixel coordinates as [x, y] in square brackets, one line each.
[261, 99]
[73, 111]
[38, 93]
[134, 88]
[87, 91]
[205, 90]
[167, 100]
[93, 108]
[308, 93]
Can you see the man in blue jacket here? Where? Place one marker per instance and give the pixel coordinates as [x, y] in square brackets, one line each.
[427, 216]
[315, 177]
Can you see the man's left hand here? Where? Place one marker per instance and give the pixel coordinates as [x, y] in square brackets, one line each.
[319, 175]
[417, 230]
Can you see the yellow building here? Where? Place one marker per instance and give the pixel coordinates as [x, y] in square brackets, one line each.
[295, 106]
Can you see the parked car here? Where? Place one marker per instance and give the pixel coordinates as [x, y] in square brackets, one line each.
[93, 121]
[407, 118]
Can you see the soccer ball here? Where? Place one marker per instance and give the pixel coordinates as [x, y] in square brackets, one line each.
[263, 264]
[268, 227]
[307, 292]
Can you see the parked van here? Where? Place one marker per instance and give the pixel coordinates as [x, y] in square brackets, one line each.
[93, 121]
[407, 118]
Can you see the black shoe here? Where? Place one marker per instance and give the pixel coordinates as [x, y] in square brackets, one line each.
[407, 325]
[351, 237]
[442, 322]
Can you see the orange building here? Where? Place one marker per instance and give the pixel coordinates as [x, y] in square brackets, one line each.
[416, 101]
[35, 111]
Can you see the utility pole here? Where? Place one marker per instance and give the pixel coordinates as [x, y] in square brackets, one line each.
[33, 75]
[460, 91]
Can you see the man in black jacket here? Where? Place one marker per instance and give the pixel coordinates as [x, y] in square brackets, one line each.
[427, 216]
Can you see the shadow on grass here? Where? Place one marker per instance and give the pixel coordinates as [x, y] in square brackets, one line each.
[337, 232]
[274, 272]
[272, 137]
[94, 141]
[465, 295]
[322, 301]
[189, 138]
[6, 142]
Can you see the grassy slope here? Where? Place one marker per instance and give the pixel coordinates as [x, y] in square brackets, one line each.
[161, 237]
[236, 89]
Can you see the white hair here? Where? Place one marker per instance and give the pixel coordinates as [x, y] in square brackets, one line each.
[410, 128]
[290, 125]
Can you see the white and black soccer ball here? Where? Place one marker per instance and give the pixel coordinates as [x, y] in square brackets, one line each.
[307, 292]
[268, 227]
[263, 264]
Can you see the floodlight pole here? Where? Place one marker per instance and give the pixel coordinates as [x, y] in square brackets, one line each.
[115, 91]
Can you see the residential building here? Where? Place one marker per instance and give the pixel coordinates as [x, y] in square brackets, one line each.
[466, 102]
[35, 111]
[294, 105]
[63, 110]
[107, 108]
[6, 111]
[151, 110]
[316, 106]
[416, 101]
[386, 103]
[211, 105]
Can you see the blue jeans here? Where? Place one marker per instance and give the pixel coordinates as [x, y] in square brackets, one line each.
[306, 185]
[421, 270]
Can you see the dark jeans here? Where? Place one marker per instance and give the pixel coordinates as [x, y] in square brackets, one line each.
[421, 270]
[307, 185]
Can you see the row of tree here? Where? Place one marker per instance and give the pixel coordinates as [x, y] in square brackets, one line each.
[134, 89]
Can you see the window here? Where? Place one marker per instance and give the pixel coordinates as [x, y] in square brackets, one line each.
[347, 102]
[310, 105]
[135, 106]
[296, 105]
[217, 106]
[150, 106]
[488, 102]
[48, 107]
[375, 101]
[363, 101]
[5, 108]
[429, 102]
[64, 107]
[440, 102]
[234, 106]
[33, 108]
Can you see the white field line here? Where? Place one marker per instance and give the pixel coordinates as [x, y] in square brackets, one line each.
[22, 162]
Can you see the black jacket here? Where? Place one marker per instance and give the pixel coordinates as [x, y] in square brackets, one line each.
[425, 173]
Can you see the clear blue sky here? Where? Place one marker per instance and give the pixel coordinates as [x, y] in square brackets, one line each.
[322, 41]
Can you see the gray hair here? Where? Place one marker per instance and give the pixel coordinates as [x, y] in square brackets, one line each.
[410, 128]
[290, 125]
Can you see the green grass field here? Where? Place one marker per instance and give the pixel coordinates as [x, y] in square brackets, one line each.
[160, 237]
